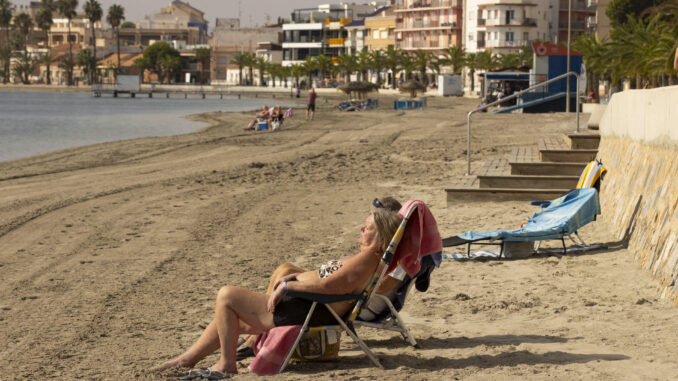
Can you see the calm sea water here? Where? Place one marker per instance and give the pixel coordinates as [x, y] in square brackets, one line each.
[33, 123]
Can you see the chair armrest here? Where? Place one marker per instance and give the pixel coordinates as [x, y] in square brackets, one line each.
[323, 298]
[543, 204]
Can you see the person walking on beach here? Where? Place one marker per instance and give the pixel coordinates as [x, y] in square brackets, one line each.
[311, 104]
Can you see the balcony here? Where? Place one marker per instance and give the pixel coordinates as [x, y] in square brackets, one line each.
[481, 22]
[425, 25]
[480, 43]
[335, 42]
[427, 5]
[502, 44]
[576, 25]
[528, 22]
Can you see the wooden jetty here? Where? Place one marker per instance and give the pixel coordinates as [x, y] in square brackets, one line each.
[151, 90]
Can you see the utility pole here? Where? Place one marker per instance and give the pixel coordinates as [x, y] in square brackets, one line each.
[567, 86]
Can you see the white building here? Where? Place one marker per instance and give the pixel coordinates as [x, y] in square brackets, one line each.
[505, 26]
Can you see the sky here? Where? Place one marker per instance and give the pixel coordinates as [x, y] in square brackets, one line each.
[254, 10]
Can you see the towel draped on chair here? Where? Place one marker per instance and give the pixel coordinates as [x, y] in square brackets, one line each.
[421, 238]
[271, 348]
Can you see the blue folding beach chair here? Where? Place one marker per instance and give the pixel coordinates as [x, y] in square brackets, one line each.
[561, 218]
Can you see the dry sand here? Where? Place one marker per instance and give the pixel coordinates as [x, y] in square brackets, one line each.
[111, 254]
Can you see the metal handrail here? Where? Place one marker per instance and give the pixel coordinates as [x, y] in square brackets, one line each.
[540, 84]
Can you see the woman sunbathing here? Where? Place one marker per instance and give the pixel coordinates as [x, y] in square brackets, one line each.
[241, 311]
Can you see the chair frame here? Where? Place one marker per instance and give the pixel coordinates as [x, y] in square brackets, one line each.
[361, 299]
[396, 324]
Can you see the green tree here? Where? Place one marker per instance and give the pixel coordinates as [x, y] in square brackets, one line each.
[619, 11]
[67, 9]
[251, 61]
[116, 13]
[24, 25]
[94, 14]
[171, 65]
[409, 65]
[261, 65]
[323, 64]
[44, 21]
[422, 59]
[364, 63]
[46, 59]
[239, 59]
[142, 64]
[87, 62]
[296, 71]
[128, 25]
[309, 66]
[5, 20]
[24, 67]
[471, 61]
[347, 64]
[394, 57]
[203, 55]
[157, 61]
[455, 56]
[378, 60]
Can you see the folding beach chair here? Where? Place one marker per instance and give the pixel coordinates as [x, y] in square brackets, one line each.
[561, 218]
[389, 319]
[347, 323]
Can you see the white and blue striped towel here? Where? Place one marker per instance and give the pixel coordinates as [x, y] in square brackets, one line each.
[478, 254]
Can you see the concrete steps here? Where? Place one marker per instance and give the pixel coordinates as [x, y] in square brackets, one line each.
[544, 172]
[547, 168]
[568, 155]
[528, 182]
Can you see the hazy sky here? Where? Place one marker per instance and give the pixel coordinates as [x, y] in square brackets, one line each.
[254, 10]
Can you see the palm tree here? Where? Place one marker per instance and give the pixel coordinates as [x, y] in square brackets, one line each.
[393, 62]
[285, 72]
[44, 21]
[239, 59]
[94, 14]
[409, 64]
[261, 63]
[455, 57]
[203, 55]
[47, 59]
[251, 61]
[296, 71]
[67, 9]
[142, 64]
[5, 20]
[471, 61]
[323, 64]
[422, 59]
[378, 60]
[24, 23]
[86, 61]
[309, 66]
[116, 13]
[348, 63]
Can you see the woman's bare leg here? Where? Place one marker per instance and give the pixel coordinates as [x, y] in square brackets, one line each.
[207, 344]
[237, 310]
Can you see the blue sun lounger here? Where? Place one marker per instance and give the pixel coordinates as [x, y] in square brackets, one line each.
[562, 217]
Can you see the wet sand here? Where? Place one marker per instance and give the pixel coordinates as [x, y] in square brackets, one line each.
[111, 254]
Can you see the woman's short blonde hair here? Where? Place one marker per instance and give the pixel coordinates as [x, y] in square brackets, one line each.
[387, 223]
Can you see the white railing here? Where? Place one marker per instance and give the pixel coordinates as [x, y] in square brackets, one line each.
[512, 96]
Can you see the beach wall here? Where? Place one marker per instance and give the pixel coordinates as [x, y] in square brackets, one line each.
[639, 196]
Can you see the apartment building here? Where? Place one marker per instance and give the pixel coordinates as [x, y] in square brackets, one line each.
[583, 18]
[432, 25]
[311, 32]
[505, 26]
[179, 15]
[380, 29]
[229, 39]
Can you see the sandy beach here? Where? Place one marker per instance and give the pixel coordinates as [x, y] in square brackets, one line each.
[111, 255]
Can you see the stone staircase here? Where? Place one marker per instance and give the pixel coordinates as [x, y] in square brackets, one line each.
[543, 172]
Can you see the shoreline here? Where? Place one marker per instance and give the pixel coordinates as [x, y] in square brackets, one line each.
[125, 244]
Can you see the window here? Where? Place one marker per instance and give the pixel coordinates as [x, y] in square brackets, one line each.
[509, 36]
[375, 34]
[510, 15]
[526, 36]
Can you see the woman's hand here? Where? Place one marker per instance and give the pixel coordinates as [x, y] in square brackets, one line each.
[275, 298]
[284, 279]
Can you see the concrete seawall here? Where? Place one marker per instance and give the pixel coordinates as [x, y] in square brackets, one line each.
[639, 197]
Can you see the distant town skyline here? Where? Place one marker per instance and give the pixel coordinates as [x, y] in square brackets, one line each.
[252, 12]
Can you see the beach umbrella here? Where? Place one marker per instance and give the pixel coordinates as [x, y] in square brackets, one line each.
[359, 88]
[412, 86]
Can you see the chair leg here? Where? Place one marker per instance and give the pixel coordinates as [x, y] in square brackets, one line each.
[301, 333]
[403, 328]
[356, 339]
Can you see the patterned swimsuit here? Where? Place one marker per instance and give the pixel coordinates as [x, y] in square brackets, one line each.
[329, 268]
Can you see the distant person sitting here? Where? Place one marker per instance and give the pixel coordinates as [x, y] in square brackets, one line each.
[310, 109]
[276, 118]
[262, 116]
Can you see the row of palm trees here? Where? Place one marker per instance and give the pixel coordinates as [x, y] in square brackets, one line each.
[415, 64]
[642, 49]
[23, 24]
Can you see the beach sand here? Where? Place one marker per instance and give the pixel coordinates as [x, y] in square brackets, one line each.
[111, 255]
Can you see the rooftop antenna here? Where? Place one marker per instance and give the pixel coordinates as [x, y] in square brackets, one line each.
[239, 14]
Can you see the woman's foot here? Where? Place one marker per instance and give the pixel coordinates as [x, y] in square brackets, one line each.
[175, 363]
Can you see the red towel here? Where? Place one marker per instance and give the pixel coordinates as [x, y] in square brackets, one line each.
[271, 349]
[421, 238]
